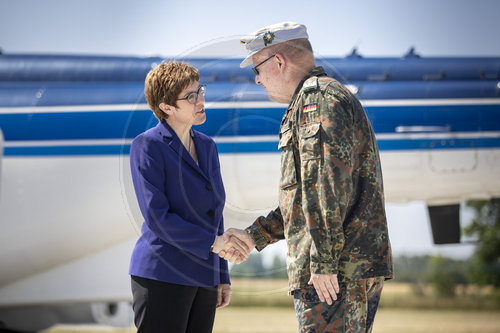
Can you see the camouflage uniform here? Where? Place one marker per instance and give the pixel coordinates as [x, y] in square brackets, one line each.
[352, 312]
[331, 204]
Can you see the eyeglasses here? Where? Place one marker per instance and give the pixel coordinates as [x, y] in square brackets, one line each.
[192, 97]
[255, 70]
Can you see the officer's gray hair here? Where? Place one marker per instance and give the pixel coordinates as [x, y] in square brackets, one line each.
[295, 49]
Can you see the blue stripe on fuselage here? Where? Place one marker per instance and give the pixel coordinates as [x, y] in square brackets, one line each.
[234, 122]
[257, 147]
[73, 126]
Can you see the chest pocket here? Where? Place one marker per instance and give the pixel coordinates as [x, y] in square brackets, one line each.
[288, 172]
[309, 141]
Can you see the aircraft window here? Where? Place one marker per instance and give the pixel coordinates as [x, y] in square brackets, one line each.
[240, 78]
[489, 76]
[382, 77]
[434, 77]
[209, 78]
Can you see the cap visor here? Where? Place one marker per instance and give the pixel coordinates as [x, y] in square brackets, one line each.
[247, 61]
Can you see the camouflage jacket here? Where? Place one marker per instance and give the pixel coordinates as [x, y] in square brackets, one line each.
[331, 204]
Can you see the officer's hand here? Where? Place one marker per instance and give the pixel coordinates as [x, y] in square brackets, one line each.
[326, 285]
[243, 240]
[230, 245]
[240, 237]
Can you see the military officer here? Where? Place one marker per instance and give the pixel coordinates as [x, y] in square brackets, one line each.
[331, 201]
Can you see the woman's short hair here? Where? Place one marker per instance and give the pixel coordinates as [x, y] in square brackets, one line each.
[164, 84]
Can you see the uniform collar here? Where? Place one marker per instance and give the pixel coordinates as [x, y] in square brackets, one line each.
[316, 71]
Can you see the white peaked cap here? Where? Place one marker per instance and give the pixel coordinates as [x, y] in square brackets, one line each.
[271, 35]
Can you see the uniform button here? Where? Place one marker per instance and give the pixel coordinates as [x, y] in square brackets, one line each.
[209, 187]
[210, 213]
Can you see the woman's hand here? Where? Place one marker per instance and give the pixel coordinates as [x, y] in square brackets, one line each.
[243, 239]
[223, 295]
[226, 244]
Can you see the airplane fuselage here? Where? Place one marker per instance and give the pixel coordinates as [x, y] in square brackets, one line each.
[67, 206]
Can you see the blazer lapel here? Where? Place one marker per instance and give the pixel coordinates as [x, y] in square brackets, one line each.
[203, 152]
[175, 143]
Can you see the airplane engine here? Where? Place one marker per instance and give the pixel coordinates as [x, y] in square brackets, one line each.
[118, 314]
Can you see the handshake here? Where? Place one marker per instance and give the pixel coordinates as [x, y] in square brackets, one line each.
[234, 245]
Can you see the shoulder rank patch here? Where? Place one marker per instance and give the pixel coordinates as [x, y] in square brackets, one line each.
[310, 84]
[309, 108]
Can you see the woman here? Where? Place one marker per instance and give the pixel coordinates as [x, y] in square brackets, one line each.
[177, 279]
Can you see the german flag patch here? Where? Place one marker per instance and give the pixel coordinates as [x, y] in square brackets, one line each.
[309, 108]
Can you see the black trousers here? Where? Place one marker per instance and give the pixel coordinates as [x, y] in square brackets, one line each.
[161, 307]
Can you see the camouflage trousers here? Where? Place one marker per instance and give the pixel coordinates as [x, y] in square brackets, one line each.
[352, 312]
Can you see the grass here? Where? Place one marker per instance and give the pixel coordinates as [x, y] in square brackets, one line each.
[262, 320]
[405, 295]
[260, 292]
[274, 292]
[436, 321]
[281, 320]
[261, 306]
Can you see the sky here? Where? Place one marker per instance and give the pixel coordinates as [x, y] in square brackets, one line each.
[171, 28]
[213, 28]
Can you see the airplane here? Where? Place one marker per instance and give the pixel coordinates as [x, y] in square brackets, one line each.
[68, 211]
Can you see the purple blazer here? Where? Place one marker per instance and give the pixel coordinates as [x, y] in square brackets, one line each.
[182, 205]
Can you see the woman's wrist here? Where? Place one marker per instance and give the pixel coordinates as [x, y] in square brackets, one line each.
[215, 246]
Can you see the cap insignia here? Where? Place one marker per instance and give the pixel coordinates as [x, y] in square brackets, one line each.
[268, 38]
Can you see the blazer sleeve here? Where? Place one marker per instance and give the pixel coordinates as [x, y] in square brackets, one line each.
[147, 167]
[224, 269]
[223, 265]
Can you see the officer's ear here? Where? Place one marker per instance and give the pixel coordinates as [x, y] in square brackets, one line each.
[280, 60]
